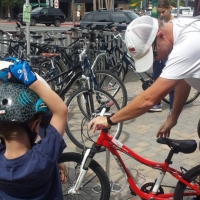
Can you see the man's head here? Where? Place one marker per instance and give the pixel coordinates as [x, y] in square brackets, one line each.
[147, 40]
[139, 37]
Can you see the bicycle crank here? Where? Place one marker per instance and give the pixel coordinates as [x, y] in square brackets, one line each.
[147, 188]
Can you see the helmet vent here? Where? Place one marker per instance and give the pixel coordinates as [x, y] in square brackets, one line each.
[4, 101]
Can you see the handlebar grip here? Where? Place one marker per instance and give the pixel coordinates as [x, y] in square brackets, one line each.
[100, 127]
[110, 103]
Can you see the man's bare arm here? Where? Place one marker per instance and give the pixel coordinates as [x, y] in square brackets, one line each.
[140, 104]
[182, 91]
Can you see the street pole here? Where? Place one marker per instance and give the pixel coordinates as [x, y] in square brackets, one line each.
[27, 33]
[178, 6]
[73, 14]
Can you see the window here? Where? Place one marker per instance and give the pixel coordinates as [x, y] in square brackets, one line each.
[37, 10]
[45, 11]
[132, 15]
[87, 17]
[101, 17]
[119, 17]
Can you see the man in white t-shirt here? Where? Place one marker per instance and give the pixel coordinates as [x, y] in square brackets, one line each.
[147, 40]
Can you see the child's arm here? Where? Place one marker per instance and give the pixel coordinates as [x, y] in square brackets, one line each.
[22, 73]
[54, 103]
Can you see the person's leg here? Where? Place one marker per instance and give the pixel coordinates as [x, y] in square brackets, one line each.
[157, 70]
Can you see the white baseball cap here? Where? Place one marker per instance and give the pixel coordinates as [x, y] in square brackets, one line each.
[6, 64]
[139, 36]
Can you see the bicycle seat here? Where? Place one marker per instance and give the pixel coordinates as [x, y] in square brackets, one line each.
[37, 58]
[19, 35]
[62, 38]
[77, 46]
[36, 37]
[49, 40]
[50, 55]
[184, 146]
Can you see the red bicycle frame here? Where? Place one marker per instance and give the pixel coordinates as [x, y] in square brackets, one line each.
[114, 146]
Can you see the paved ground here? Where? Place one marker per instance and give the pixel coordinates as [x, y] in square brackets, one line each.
[139, 135]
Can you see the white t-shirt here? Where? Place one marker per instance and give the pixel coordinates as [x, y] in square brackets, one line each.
[184, 60]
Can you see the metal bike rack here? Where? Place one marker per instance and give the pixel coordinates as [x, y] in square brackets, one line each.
[114, 187]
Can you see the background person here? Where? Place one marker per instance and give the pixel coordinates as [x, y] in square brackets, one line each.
[164, 12]
[78, 15]
[148, 40]
[28, 170]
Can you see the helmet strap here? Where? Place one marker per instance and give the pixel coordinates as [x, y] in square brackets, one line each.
[31, 134]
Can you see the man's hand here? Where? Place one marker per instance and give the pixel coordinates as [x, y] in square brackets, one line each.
[164, 130]
[98, 123]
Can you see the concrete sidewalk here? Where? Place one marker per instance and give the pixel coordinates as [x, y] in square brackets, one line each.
[140, 135]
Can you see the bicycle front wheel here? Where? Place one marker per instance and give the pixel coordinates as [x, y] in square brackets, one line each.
[182, 192]
[82, 105]
[113, 85]
[95, 185]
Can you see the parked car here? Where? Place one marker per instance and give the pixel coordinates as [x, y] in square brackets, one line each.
[44, 15]
[103, 17]
[183, 12]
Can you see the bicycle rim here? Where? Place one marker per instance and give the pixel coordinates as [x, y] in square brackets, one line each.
[192, 96]
[80, 110]
[95, 184]
[113, 85]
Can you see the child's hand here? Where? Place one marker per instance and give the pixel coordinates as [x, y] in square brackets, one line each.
[22, 73]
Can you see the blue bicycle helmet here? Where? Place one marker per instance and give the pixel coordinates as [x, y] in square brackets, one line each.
[18, 103]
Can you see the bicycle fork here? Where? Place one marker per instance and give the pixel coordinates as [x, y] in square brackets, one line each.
[88, 156]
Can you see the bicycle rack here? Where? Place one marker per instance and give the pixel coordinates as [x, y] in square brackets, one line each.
[114, 187]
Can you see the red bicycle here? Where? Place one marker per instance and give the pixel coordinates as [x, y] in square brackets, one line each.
[86, 179]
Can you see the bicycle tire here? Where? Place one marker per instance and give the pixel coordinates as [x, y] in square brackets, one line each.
[198, 128]
[44, 69]
[189, 176]
[192, 96]
[95, 185]
[119, 70]
[79, 113]
[112, 84]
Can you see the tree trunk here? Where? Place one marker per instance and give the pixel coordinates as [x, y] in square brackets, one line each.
[106, 2]
[94, 5]
[8, 12]
[99, 4]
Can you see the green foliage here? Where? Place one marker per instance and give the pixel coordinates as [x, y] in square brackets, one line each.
[12, 3]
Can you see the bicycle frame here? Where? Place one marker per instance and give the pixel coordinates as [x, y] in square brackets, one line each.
[113, 145]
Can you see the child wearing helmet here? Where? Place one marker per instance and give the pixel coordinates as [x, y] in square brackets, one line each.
[29, 170]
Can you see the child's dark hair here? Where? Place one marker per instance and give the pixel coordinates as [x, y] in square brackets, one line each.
[163, 4]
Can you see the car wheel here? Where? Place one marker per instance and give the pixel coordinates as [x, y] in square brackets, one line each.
[33, 22]
[57, 23]
[48, 24]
